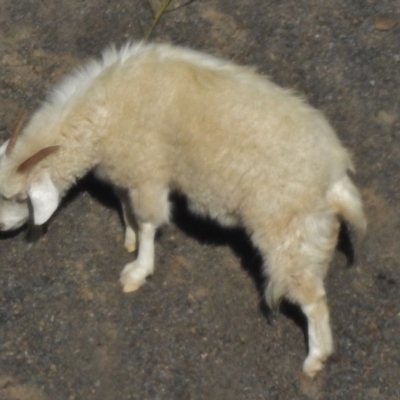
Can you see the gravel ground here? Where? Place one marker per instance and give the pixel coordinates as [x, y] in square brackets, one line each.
[198, 329]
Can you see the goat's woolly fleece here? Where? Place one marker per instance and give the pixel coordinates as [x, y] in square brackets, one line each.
[154, 118]
[79, 81]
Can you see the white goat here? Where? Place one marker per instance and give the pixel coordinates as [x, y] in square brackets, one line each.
[154, 118]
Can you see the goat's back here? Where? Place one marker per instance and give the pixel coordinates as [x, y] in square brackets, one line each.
[218, 132]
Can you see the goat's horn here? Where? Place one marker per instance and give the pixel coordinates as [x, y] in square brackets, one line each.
[15, 133]
[29, 163]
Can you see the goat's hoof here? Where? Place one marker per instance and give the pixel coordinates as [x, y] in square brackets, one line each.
[130, 240]
[133, 277]
[130, 282]
[130, 246]
[313, 364]
[130, 287]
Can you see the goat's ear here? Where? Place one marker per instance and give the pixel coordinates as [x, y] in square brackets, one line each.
[28, 164]
[44, 197]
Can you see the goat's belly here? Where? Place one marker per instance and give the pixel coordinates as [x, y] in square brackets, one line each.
[219, 214]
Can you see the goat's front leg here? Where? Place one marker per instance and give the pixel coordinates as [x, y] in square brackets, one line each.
[130, 227]
[129, 219]
[135, 273]
[151, 209]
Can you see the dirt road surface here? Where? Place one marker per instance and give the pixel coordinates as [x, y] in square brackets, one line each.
[197, 329]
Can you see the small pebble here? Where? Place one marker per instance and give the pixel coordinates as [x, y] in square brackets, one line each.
[384, 24]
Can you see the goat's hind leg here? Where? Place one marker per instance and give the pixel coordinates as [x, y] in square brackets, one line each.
[319, 334]
[302, 287]
[297, 272]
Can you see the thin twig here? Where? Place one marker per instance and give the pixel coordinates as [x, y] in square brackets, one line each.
[138, 19]
[151, 7]
[160, 12]
[180, 6]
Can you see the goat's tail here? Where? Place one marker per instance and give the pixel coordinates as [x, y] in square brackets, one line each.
[346, 201]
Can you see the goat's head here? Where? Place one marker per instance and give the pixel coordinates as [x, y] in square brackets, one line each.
[25, 186]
